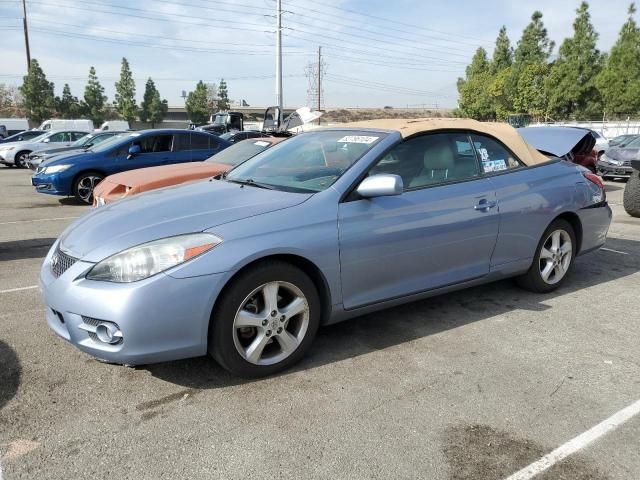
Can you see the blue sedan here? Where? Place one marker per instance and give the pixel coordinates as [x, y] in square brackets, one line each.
[77, 174]
[326, 226]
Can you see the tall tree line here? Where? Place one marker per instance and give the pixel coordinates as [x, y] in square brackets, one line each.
[580, 83]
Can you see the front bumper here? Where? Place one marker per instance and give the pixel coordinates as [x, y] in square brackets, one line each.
[610, 170]
[51, 184]
[7, 157]
[161, 318]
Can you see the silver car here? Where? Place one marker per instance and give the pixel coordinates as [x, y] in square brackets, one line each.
[326, 226]
[16, 153]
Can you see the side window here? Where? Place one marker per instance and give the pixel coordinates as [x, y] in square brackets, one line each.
[56, 137]
[493, 156]
[155, 143]
[199, 142]
[77, 135]
[182, 142]
[430, 160]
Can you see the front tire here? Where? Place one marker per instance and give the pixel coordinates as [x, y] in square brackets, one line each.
[265, 321]
[20, 160]
[84, 185]
[631, 197]
[553, 259]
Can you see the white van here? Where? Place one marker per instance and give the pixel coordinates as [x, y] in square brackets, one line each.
[81, 125]
[15, 125]
[118, 125]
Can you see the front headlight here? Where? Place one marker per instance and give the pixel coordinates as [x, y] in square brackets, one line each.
[143, 261]
[55, 169]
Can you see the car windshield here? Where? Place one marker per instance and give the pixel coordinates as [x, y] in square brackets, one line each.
[239, 152]
[635, 143]
[39, 138]
[82, 140]
[110, 142]
[220, 119]
[309, 162]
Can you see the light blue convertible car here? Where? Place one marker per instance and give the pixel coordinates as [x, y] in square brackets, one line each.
[325, 226]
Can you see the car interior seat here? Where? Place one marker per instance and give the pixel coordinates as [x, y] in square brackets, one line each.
[438, 164]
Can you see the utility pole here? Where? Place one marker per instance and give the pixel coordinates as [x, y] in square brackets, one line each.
[279, 100]
[26, 34]
[319, 80]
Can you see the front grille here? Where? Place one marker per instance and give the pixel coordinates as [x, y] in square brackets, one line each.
[94, 323]
[61, 262]
[626, 163]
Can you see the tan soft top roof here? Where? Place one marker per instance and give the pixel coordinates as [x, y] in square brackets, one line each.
[502, 131]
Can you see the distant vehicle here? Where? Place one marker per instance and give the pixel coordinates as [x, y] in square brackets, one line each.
[4, 133]
[118, 125]
[22, 136]
[616, 162]
[83, 125]
[126, 184]
[223, 122]
[602, 144]
[16, 154]
[234, 137]
[622, 140]
[84, 143]
[326, 226]
[14, 125]
[631, 197]
[571, 143]
[77, 174]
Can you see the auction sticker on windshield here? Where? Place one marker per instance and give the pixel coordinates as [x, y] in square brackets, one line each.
[261, 143]
[358, 139]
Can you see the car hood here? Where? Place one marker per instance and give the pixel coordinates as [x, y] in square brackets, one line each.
[52, 151]
[622, 153]
[150, 178]
[65, 157]
[559, 141]
[157, 214]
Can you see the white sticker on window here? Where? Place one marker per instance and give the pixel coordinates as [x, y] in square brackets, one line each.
[358, 139]
[484, 155]
[261, 143]
[494, 165]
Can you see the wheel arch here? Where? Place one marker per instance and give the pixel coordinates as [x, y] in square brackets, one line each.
[574, 220]
[307, 266]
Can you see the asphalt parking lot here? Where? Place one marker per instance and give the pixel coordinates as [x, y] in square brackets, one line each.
[475, 384]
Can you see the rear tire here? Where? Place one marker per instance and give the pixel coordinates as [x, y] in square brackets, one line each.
[631, 197]
[84, 185]
[247, 338]
[553, 259]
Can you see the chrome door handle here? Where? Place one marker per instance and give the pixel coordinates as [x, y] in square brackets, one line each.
[484, 205]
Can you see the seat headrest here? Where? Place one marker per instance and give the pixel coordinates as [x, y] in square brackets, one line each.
[439, 156]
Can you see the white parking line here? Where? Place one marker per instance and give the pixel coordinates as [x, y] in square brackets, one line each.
[30, 287]
[614, 251]
[38, 220]
[577, 443]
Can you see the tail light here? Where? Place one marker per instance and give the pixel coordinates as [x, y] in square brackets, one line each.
[593, 178]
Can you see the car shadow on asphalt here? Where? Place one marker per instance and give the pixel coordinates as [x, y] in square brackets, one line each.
[398, 325]
[23, 249]
[10, 373]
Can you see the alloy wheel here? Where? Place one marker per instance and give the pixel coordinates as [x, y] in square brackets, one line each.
[555, 256]
[86, 186]
[271, 323]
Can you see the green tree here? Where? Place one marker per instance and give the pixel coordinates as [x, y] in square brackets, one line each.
[11, 101]
[502, 53]
[94, 104]
[153, 108]
[126, 93]
[474, 101]
[67, 106]
[530, 68]
[571, 84]
[38, 95]
[196, 104]
[619, 81]
[223, 96]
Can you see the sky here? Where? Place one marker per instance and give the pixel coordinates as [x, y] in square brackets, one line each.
[376, 52]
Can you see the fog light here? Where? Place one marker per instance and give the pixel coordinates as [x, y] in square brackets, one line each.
[108, 333]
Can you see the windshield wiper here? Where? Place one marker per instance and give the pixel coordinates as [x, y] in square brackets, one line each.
[251, 182]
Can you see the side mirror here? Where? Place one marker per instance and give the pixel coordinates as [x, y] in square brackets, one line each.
[46, 140]
[133, 151]
[382, 185]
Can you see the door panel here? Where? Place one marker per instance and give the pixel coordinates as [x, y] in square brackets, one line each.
[420, 240]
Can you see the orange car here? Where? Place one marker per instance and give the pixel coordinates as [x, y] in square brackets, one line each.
[125, 184]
